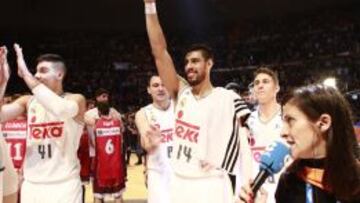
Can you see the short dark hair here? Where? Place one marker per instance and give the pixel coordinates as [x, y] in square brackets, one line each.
[205, 50]
[265, 70]
[101, 91]
[150, 77]
[103, 108]
[55, 58]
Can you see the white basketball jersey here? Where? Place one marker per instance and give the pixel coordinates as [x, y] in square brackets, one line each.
[206, 129]
[160, 159]
[261, 135]
[52, 145]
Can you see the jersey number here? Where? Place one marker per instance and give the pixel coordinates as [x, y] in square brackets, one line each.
[17, 147]
[45, 151]
[109, 147]
[184, 151]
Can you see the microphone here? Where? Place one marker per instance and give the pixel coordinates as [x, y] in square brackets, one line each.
[271, 162]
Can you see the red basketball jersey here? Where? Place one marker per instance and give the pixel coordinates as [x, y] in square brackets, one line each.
[84, 157]
[108, 153]
[14, 132]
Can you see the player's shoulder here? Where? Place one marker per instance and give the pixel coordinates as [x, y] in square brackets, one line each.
[113, 110]
[75, 96]
[142, 110]
[91, 114]
[148, 107]
[24, 99]
[226, 94]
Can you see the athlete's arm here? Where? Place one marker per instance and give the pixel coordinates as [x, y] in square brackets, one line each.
[149, 135]
[14, 109]
[245, 155]
[12, 198]
[4, 71]
[116, 115]
[163, 60]
[71, 107]
[80, 102]
[10, 176]
[17, 108]
[91, 132]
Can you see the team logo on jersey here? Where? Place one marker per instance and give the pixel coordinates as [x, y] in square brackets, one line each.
[167, 135]
[108, 123]
[186, 131]
[46, 130]
[33, 119]
[180, 114]
[14, 129]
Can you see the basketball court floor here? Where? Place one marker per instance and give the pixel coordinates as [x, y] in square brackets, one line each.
[135, 186]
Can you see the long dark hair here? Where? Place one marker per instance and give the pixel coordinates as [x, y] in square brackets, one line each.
[342, 168]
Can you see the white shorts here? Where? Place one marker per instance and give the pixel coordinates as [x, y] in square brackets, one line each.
[68, 191]
[114, 195]
[213, 189]
[158, 187]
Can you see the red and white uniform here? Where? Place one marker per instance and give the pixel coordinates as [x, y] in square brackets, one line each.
[8, 176]
[158, 162]
[14, 132]
[109, 173]
[94, 114]
[262, 135]
[206, 129]
[51, 166]
[84, 157]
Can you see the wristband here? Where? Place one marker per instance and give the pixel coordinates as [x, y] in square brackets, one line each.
[150, 8]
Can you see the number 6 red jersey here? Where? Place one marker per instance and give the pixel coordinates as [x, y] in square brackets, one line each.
[108, 156]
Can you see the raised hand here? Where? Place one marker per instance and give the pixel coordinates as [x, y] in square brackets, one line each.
[4, 66]
[154, 136]
[22, 67]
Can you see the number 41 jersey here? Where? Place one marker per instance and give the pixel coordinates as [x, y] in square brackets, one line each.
[108, 157]
[52, 144]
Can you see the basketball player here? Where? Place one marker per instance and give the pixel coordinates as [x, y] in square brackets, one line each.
[101, 95]
[8, 176]
[206, 143]
[14, 132]
[265, 122]
[55, 124]
[155, 123]
[109, 177]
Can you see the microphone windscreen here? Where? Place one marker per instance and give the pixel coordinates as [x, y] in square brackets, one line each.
[273, 159]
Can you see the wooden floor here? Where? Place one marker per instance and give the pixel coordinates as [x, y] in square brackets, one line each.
[135, 186]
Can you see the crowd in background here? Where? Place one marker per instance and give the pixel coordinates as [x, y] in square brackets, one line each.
[303, 48]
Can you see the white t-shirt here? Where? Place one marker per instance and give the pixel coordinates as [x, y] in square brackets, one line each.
[52, 144]
[8, 176]
[160, 159]
[262, 135]
[206, 129]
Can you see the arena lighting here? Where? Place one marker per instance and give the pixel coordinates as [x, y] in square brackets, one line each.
[330, 82]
